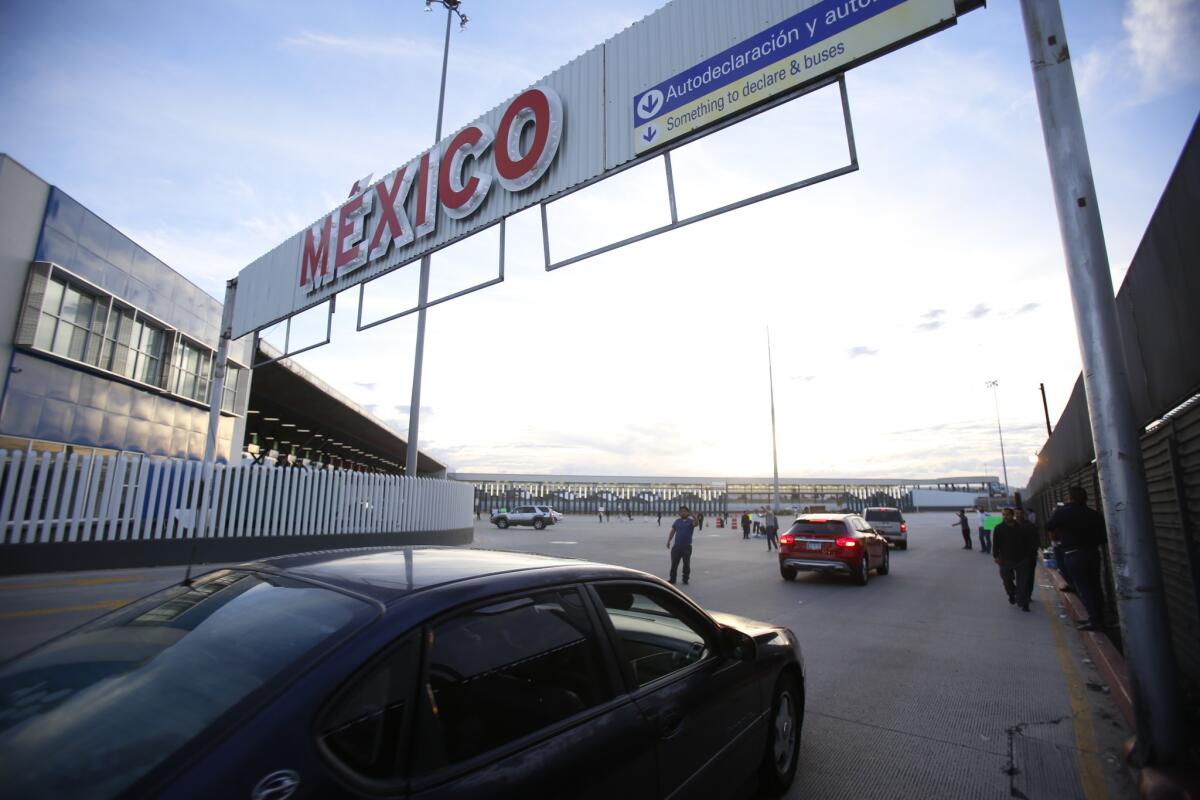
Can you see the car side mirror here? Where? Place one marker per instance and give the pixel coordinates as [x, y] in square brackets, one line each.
[737, 645]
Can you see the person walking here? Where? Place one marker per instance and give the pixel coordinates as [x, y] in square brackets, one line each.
[745, 524]
[965, 525]
[600, 513]
[679, 542]
[985, 535]
[1080, 532]
[1013, 545]
[771, 523]
[660, 518]
[700, 520]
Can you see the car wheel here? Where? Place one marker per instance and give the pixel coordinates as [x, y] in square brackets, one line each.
[864, 571]
[903, 545]
[886, 566]
[782, 754]
[539, 524]
[502, 523]
[788, 573]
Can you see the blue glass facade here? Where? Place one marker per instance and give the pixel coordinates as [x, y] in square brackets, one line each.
[58, 401]
[86, 245]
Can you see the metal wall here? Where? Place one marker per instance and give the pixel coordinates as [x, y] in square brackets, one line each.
[1161, 340]
[1160, 335]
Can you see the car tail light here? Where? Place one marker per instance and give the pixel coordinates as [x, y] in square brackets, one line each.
[904, 527]
[847, 542]
[787, 538]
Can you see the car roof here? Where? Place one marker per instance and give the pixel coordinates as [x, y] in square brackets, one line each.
[881, 508]
[388, 574]
[819, 517]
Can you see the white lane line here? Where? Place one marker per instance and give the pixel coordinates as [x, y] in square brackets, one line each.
[564, 543]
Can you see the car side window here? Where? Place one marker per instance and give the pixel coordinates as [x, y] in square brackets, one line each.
[363, 727]
[501, 672]
[657, 635]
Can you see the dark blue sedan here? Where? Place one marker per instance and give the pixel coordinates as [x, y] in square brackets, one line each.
[408, 672]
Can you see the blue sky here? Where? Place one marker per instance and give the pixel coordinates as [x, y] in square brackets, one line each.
[210, 132]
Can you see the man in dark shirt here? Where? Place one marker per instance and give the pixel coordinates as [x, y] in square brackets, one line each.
[1079, 532]
[1013, 545]
[681, 534]
[746, 525]
[966, 529]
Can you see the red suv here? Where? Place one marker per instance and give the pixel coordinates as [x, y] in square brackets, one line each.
[842, 543]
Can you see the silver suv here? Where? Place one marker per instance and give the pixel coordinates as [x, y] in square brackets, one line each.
[889, 522]
[537, 516]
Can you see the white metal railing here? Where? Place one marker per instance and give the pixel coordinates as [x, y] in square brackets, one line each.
[53, 497]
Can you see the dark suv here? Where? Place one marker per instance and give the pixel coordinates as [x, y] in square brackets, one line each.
[414, 672]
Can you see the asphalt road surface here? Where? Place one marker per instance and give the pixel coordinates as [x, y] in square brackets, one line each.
[925, 683]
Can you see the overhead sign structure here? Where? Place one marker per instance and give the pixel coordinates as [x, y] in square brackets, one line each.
[605, 111]
[780, 58]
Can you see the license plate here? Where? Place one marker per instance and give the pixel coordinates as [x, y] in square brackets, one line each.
[814, 545]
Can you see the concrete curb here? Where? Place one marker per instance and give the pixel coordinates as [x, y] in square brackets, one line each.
[1154, 783]
[1107, 658]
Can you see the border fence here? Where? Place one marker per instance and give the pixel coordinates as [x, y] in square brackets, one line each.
[1160, 337]
[55, 508]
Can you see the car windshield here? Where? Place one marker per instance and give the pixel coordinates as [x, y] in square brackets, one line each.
[882, 515]
[92, 712]
[826, 527]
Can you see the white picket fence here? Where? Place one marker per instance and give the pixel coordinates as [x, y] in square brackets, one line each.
[52, 497]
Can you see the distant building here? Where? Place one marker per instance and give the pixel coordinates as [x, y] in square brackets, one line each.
[584, 494]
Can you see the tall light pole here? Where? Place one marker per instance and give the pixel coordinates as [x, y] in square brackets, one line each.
[414, 407]
[999, 430]
[774, 452]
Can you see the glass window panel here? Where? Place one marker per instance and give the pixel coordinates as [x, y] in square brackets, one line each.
[502, 672]
[70, 306]
[54, 294]
[62, 339]
[45, 331]
[78, 341]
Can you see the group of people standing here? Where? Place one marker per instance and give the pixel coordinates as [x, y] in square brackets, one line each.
[1077, 535]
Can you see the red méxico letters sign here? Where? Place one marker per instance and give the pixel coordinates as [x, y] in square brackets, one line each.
[454, 179]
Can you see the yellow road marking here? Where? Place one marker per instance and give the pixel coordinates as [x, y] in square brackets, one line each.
[64, 583]
[1091, 773]
[103, 605]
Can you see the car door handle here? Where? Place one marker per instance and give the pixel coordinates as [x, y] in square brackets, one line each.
[669, 722]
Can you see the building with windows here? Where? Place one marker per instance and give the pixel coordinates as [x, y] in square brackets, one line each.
[107, 348]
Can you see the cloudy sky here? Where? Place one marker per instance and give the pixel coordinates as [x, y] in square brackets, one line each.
[211, 131]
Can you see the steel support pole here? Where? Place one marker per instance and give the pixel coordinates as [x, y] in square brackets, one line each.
[414, 408]
[1134, 558]
[1046, 410]
[774, 452]
[216, 393]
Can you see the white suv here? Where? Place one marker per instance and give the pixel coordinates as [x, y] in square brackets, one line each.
[890, 524]
[537, 516]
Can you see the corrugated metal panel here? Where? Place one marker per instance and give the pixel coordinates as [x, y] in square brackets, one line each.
[597, 91]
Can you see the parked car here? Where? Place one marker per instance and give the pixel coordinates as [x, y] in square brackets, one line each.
[890, 523]
[415, 672]
[839, 543]
[537, 516]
